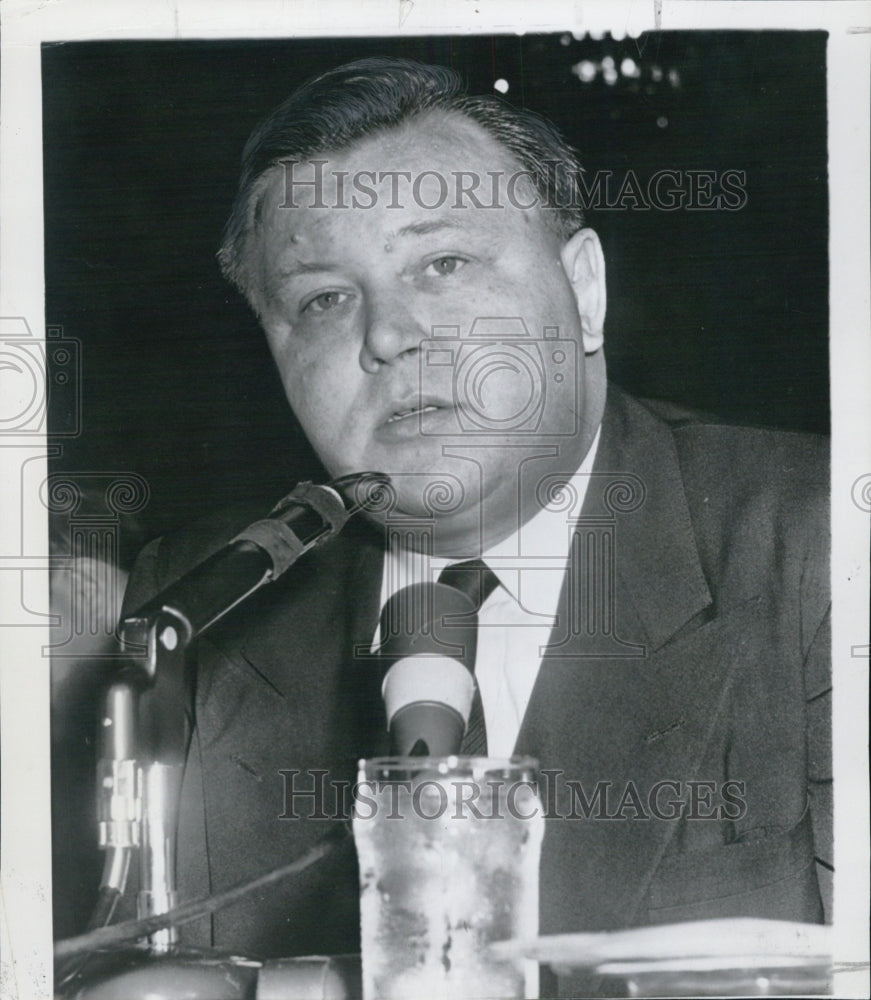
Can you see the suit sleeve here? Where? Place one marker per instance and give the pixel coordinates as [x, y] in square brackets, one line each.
[817, 646]
[819, 744]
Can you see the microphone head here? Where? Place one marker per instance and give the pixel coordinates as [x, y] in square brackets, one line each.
[429, 619]
[429, 634]
[427, 698]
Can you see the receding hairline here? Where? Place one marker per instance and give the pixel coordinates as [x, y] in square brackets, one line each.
[444, 116]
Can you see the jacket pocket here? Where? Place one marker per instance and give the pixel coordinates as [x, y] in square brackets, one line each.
[768, 877]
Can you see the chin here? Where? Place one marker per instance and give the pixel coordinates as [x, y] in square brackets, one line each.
[430, 496]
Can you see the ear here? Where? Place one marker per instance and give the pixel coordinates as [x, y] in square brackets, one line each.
[584, 265]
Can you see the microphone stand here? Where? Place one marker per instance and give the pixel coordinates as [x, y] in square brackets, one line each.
[147, 726]
[118, 797]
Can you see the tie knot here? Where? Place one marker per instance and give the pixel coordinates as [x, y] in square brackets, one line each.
[474, 578]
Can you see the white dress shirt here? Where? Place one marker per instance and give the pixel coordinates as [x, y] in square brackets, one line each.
[516, 620]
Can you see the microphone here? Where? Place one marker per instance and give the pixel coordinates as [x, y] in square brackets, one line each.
[429, 634]
[163, 628]
[307, 517]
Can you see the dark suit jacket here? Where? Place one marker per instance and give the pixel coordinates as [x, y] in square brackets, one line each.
[712, 666]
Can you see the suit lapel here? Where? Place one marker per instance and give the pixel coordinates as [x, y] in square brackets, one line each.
[660, 585]
[304, 641]
[634, 707]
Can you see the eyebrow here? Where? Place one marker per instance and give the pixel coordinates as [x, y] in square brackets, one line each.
[298, 267]
[304, 267]
[422, 228]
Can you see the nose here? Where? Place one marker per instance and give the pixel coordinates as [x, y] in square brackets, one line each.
[393, 333]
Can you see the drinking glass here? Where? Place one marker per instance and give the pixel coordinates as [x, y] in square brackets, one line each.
[449, 851]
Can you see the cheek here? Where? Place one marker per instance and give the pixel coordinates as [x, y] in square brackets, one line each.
[304, 370]
[321, 394]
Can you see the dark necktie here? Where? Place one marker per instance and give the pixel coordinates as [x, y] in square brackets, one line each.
[477, 581]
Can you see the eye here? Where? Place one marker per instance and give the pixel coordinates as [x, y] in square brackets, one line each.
[444, 266]
[325, 301]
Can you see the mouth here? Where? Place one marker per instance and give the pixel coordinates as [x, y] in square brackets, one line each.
[414, 411]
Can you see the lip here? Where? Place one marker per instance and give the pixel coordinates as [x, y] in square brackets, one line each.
[403, 416]
[411, 407]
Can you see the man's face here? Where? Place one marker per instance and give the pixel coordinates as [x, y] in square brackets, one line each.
[351, 297]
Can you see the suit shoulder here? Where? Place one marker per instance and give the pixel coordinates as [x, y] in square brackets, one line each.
[757, 499]
[745, 461]
[759, 502]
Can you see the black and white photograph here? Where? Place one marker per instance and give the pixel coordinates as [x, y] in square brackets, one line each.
[437, 488]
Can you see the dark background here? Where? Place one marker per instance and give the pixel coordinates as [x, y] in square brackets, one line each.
[724, 311]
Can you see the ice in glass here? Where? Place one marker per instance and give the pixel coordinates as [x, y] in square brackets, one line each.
[448, 851]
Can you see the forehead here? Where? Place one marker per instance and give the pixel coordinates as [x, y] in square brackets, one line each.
[443, 138]
[436, 165]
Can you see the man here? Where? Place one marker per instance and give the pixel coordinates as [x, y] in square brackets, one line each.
[657, 637]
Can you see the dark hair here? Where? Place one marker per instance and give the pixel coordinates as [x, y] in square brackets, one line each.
[337, 109]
